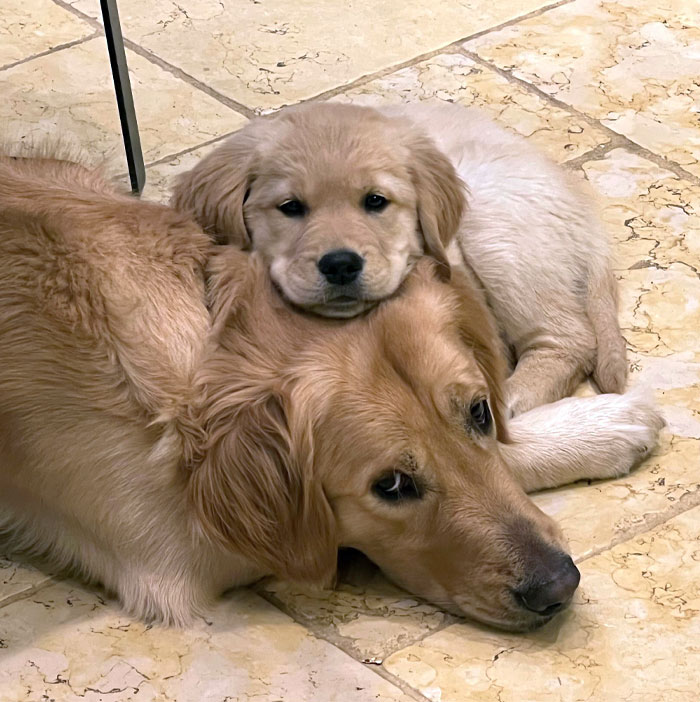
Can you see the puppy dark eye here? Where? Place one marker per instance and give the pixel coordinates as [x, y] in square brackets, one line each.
[396, 486]
[292, 208]
[375, 203]
[481, 416]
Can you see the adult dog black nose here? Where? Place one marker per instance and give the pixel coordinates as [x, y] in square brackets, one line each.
[341, 267]
[551, 588]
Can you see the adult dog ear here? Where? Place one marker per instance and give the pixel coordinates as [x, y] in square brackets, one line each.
[234, 281]
[215, 190]
[463, 307]
[440, 196]
[254, 489]
[478, 331]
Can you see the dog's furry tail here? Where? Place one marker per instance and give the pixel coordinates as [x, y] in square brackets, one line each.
[34, 153]
[47, 148]
[610, 372]
[54, 163]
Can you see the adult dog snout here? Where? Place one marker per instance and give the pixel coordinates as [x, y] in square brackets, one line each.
[341, 267]
[551, 587]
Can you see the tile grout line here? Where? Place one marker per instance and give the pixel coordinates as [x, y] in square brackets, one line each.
[402, 685]
[190, 80]
[189, 149]
[620, 139]
[250, 112]
[52, 50]
[520, 18]
[80, 14]
[453, 47]
[597, 153]
[163, 64]
[649, 522]
[339, 642]
[170, 157]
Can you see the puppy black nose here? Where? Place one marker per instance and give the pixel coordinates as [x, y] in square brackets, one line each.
[552, 588]
[341, 267]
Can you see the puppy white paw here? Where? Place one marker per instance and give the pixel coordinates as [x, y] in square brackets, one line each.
[625, 429]
[583, 438]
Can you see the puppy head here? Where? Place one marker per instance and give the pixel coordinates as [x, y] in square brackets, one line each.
[381, 434]
[339, 200]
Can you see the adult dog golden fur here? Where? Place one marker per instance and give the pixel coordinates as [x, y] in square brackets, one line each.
[171, 440]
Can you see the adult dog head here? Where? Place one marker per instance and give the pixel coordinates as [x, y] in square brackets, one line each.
[339, 200]
[382, 434]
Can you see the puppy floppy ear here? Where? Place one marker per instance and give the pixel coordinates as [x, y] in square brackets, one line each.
[215, 190]
[255, 492]
[440, 198]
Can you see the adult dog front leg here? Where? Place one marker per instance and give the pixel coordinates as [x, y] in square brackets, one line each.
[581, 438]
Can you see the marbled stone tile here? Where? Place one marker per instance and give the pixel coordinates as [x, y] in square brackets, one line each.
[29, 28]
[368, 620]
[456, 78]
[70, 93]
[652, 215]
[632, 635]
[265, 54]
[633, 64]
[654, 220]
[66, 644]
[16, 578]
[160, 177]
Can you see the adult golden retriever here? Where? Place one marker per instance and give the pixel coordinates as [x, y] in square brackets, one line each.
[171, 441]
[341, 200]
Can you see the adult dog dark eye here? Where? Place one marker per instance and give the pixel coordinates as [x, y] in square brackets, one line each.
[292, 208]
[375, 203]
[396, 486]
[481, 416]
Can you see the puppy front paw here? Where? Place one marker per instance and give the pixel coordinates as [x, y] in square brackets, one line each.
[629, 431]
[582, 438]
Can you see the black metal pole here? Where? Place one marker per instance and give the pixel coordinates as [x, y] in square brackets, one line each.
[125, 99]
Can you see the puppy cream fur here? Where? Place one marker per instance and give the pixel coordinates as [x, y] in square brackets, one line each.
[459, 188]
[534, 242]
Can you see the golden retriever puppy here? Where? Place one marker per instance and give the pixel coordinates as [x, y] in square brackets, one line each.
[341, 200]
[171, 441]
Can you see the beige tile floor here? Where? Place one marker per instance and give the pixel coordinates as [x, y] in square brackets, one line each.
[611, 90]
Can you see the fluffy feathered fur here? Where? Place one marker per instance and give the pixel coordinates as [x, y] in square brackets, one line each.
[171, 439]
